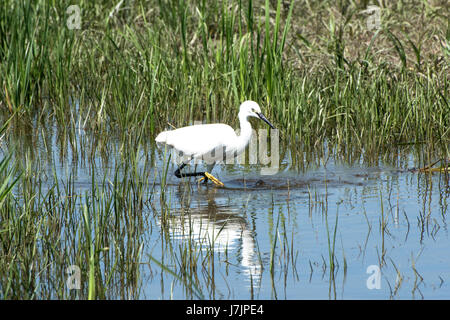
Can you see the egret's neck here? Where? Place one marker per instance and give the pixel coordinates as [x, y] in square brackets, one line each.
[246, 132]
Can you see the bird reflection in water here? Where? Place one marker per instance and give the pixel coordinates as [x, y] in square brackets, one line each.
[219, 226]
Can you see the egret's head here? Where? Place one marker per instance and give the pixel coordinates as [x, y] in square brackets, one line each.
[251, 109]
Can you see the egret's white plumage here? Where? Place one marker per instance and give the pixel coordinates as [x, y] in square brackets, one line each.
[198, 140]
[213, 140]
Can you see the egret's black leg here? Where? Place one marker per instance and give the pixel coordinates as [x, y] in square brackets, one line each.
[206, 176]
[179, 174]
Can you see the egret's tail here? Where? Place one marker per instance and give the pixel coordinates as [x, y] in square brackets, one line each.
[165, 138]
[161, 138]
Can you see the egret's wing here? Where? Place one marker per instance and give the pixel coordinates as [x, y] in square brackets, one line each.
[198, 140]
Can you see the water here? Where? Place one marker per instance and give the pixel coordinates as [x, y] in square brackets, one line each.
[333, 231]
[391, 238]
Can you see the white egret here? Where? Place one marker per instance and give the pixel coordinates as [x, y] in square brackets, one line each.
[212, 142]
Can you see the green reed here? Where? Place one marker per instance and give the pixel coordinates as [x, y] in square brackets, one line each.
[181, 62]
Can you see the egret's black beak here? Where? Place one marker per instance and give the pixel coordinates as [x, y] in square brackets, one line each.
[261, 116]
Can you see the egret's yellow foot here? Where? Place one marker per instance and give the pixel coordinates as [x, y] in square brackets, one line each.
[201, 179]
[209, 176]
[214, 179]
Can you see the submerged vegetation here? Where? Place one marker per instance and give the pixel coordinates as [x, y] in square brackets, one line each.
[83, 88]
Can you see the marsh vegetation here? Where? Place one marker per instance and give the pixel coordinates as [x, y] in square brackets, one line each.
[82, 184]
